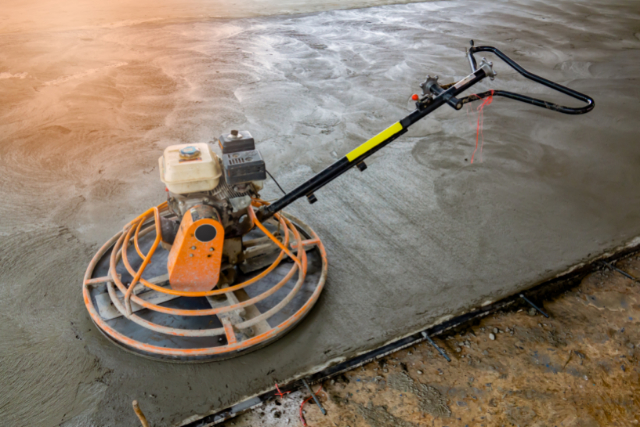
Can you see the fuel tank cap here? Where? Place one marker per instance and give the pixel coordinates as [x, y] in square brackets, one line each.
[189, 152]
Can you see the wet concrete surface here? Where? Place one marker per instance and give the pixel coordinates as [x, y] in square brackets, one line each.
[47, 15]
[419, 236]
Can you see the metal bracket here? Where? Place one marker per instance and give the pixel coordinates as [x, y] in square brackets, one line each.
[487, 66]
[430, 81]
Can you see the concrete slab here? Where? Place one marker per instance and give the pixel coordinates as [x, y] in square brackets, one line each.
[421, 235]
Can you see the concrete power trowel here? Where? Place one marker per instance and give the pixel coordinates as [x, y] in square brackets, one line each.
[215, 271]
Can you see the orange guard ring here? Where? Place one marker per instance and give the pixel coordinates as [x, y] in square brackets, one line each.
[130, 300]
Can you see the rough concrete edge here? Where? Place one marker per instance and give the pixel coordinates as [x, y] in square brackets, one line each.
[256, 400]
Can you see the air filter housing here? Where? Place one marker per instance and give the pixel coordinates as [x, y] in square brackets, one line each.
[236, 141]
[243, 166]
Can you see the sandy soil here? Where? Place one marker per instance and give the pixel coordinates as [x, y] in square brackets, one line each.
[578, 368]
[86, 112]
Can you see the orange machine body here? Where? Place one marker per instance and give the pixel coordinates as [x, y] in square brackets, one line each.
[196, 254]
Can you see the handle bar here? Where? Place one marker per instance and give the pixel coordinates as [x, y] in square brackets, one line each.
[523, 98]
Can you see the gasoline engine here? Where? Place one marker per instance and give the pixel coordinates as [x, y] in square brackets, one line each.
[209, 195]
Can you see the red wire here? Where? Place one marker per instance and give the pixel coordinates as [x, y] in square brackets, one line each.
[486, 102]
[304, 422]
[279, 393]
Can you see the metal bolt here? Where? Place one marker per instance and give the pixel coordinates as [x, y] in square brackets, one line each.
[534, 306]
[193, 247]
[191, 255]
[428, 338]
[210, 249]
[315, 399]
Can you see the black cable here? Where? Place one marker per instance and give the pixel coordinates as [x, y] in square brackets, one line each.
[274, 180]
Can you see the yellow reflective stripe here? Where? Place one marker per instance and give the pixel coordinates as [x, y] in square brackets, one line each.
[381, 137]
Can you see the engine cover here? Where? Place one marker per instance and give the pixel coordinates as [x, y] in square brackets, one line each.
[196, 255]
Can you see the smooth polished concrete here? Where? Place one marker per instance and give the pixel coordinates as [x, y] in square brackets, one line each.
[421, 235]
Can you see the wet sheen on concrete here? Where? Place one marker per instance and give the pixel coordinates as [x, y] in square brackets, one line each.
[420, 235]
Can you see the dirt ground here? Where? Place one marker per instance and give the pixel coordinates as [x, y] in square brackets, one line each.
[578, 368]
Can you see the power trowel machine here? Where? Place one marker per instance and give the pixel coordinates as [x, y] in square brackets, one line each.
[215, 271]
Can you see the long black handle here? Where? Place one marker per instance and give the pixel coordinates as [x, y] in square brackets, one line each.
[357, 156]
[527, 99]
